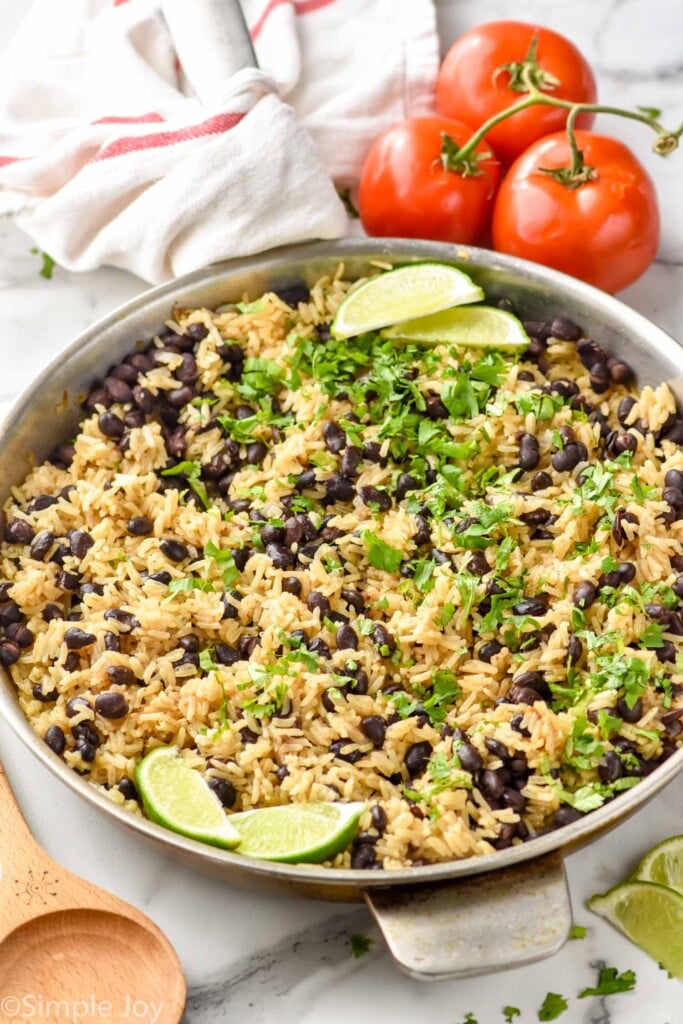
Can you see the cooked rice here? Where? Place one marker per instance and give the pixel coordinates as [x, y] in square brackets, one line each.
[283, 746]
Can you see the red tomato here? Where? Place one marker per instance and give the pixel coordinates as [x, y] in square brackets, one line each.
[472, 87]
[605, 231]
[405, 191]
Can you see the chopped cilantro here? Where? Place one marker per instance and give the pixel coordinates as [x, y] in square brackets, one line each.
[185, 585]
[510, 1013]
[542, 406]
[192, 471]
[250, 307]
[48, 264]
[444, 691]
[380, 554]
[582, 750]
[360, 944]
[652, 636]
[611, 982]
[445, 615]
[226, 560]
[577, 931]
[469, 1018]
[424, 570]
[553, 1006]
[206, 662]
[260, 378]
[641, 491]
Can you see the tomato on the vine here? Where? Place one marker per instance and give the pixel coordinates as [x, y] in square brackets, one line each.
[484, 73]
[407, 189]
[600, 224]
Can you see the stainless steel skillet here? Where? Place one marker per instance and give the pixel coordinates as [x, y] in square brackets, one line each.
[452, 919]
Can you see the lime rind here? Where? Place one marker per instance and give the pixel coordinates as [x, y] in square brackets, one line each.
[650, 915]
[177, 797]
[663, 864]
[482, 327]
[297, 833]
[405, 293]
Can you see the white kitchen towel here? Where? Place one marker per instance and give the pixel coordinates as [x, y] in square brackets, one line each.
[106, 157]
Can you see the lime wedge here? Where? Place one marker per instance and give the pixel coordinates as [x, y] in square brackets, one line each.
[403, 294]
[297, 833]
[469, 326]
[650, 915]
[178, 798]
[663, 864]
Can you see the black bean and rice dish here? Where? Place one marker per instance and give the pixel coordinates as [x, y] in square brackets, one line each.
[447, 583]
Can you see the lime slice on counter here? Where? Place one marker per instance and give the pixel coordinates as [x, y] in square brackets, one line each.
[650, 915]
[469, 326]
[178, 797]
[663, 864]
[297, 833]
[403, 294]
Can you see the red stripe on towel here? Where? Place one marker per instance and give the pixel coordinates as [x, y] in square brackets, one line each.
[133, 143]
[300, 7]
[5, 160]
[140, 119]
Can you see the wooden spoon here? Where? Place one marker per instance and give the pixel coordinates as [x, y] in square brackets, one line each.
[66, 941]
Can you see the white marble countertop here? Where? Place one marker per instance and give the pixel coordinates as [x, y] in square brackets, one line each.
[262, 959]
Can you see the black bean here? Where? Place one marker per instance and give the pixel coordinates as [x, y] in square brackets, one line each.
[674, 433]
[75, 705]
[627, 572]
[673, 497]
[319, 647]
[272, 534]
[585, 594]
[600, 378]
[19, 634]
[364, 857]
[51, 612]
[436, 410]
[280, 556]
[41, 502]
[18, 531]
[469, 757]
[513, 798]
[143, 398]
[424, 533]
[538, 329]
[489, 650]
[111, 425]
[667, 652]
[121, 675]
[568, 458]
[376, 497]
[226, 655]
[374, 727]
[619, 371]
[246, 645]
[565, 815]
[230, 611]
[346, 750]
[536, 517]
[533, 606]
[305, 480]
[416, 758]
[44, 698]
[516, 723]
[42, 543]
[256, 452]
[128, 789]
[477, 565]
[86, 751]
[282, 772]
[111, 704]
[292, 585]
[535, 680]
[132, 419]
[347, 639]
[630, 714]
[174, 550]
[80, 542]
[378, 817]
[350, 461]
[657, 611]
[224, 790]
[383, 640]
[491, 784]
[75, 638]
[565, 329]
[179, 397]
[497, 748]
[317, 600]
[339, 488]
[140, 526]
[187, 372]
[610, 767]
[72, 662]
[55, 739]
[354, 599]
[529, 454]
[405, 483]
[126, 620]
[541, 481]
[328, 698]
[622, 516]
[334, 436]
[574, 650]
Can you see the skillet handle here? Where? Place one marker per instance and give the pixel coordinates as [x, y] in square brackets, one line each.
[483, 923]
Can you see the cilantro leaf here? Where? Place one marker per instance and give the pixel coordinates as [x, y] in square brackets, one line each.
[261, 377]
[185, 585]
[553, 1006]
[542, 406]
[48, 264]
[611, 982]
[226, 560]
[577, 931]
[380, 554]
[360, 944]
[510, 1013]
[424, 570]
[192, 471]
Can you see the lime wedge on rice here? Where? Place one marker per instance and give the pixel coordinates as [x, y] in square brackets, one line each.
[650, 915]
[297, 833]
[177, 797]
[469, 326]
[663, 864]
[403, 294]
